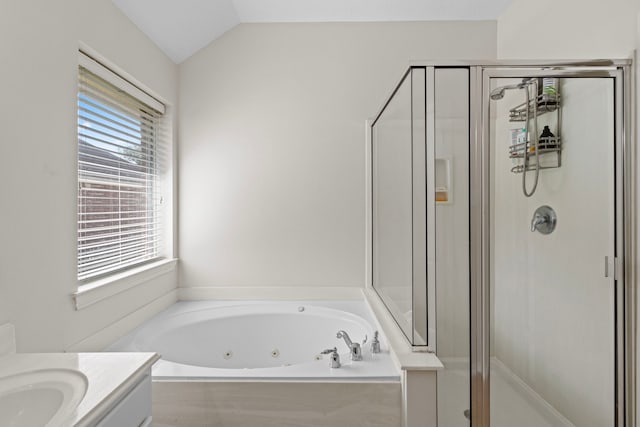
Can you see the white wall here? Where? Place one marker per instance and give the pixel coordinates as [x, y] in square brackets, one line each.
[568, 29]
[271, 155]
[554, 314]
[39, 43]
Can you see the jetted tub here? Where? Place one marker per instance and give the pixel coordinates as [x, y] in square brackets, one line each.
[236, 364]
[257, 339]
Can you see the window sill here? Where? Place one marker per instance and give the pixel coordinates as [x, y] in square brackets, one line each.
[100, 289]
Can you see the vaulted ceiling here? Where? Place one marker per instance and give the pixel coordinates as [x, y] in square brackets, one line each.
[180, 28]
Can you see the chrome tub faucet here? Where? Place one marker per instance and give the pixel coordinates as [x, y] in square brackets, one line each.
[354, 347]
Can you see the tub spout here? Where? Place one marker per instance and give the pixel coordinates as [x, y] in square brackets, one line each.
[354, 347]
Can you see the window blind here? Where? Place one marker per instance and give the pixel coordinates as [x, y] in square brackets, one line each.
[120, 147]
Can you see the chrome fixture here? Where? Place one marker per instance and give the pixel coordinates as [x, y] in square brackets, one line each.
[375, 343]
[526, 84]
[544, 220]
[335, 357]
[498, 93]
[354, 347]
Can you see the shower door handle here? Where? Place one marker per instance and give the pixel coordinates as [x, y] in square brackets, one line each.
[611, 267]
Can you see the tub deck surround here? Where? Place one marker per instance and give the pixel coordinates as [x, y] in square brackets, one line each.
[379, 369]
[276, 404]
[406, 358]
[419, 369]
[110, 376]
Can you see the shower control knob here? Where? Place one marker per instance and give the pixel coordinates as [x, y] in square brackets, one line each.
[544, 220]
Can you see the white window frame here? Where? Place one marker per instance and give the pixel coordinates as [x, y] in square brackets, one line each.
[94, 290]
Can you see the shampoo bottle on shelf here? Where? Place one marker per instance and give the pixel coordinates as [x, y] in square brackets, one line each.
[548, 138]
[549, 89]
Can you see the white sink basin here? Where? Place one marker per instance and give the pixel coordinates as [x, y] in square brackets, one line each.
[40, 398]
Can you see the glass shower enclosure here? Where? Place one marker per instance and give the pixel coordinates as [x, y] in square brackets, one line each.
[400, 162]
[551, 328]
[420, 221]
[501, 228]
[419, 147]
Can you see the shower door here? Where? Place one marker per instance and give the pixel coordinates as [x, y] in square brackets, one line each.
[548, 298]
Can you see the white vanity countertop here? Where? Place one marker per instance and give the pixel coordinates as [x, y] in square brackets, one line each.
[110, 376]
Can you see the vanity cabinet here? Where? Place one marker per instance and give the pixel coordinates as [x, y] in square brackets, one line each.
[133, 410]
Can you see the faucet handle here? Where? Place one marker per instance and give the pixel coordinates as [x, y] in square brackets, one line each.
[538, 220]
[335, 357]
[329, 350]
[375, 344]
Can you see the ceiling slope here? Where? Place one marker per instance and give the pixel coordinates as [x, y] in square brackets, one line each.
[180, 28]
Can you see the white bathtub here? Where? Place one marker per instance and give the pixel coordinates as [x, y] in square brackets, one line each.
[253, 340]
[234, 364]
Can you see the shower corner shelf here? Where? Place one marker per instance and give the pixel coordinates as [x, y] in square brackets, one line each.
[545, 104]
[546, 147]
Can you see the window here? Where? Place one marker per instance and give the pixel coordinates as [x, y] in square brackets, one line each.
[120, 150]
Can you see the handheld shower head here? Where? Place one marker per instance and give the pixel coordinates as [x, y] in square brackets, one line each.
[498, 93]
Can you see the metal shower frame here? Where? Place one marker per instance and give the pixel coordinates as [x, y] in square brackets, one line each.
[625, 225]
[626, 218]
